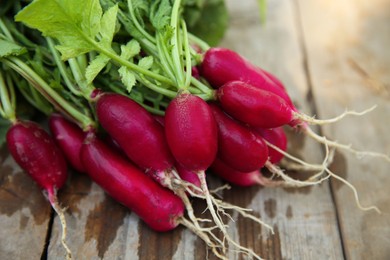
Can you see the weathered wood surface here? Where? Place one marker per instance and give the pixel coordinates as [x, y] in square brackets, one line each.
[330, 55]
[348, 64]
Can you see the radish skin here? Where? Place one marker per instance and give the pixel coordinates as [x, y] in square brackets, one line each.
[69, 138]
[239, 178]
[238, 146]
[36, 152]
[221, 65]
[277, 137]
[254, 106]
[139, 135]
[156, 206]
[191, 132]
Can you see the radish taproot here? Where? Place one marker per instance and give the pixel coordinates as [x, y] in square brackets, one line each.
[238, 146]
[36, 152]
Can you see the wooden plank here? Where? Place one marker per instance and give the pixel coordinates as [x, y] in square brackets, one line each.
[24, 213]
[346, 43]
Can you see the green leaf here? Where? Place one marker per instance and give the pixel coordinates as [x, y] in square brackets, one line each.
[69, 21]
[146, 62]
[127, 78]
[9, 48]
[108, 24]
[131, 49]
[160, 13]
[95, 66]
[212, 24]
[91, 16]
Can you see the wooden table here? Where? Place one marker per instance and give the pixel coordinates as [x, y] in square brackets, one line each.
[331, 55]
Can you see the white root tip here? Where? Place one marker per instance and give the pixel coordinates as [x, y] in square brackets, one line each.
[313, 121]
[60, 212]
[359, 154]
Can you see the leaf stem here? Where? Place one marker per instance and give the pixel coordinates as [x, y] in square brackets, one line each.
[52, 96]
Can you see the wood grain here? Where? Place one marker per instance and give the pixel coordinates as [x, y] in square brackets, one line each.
[346, 45]
[24, 213]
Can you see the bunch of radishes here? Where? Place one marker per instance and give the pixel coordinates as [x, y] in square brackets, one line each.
[147, 128]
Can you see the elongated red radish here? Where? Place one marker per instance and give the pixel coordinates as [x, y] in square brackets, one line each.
[274, 79]
[136, 131]
[254, 106]
[69, 138]
[239, 178]
[36, 152]
[158, 207]
[238, 146]
[221, 65]
[277, 137]
[191, 132]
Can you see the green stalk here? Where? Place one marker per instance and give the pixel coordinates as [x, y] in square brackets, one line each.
[7, 106]
[51, 95]
[202, 44]
[137, 25]
[165, 61]
[188, 64]
[175, 44]
[5, 30]
[61, 66]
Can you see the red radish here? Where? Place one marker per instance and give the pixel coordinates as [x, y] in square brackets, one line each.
[195, 72]
[158, 207]
[254, 106]
[238, 146]
[36, 152]
[69, 138]
[274, 79]
[243, 179]
[191, 132]
[188, 176]
[136, 131]
[222, 65]
[159, 119]
[277, 137]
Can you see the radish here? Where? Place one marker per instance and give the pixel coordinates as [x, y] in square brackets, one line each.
[36, 152]
[277, 137]
[239, 178]
[188, 176]
[139, 135]
[221, 65]
[254, 106]
[156, 206]
[238, 146]
[191, 132]
[69, 138]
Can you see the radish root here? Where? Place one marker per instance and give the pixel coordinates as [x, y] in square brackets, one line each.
[312, 120]
[360, 154]
[323, 168]
[60, 212]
